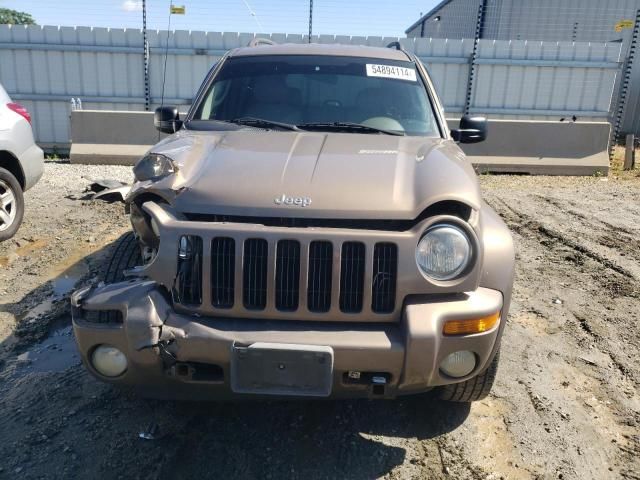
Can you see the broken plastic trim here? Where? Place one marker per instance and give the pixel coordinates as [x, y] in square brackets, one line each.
[118, 194]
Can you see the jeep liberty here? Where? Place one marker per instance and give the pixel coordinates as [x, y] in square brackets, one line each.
[309, 229]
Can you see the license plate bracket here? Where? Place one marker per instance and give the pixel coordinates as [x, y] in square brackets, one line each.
[282, 369]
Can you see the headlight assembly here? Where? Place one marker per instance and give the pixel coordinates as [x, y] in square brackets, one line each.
[444, 252]
[153, 166]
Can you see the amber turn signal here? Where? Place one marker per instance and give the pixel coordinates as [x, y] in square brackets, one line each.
[470, 326]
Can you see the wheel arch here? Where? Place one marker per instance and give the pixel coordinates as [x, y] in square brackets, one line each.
[9, 162]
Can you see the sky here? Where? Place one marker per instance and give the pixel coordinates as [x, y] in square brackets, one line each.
[342, 17]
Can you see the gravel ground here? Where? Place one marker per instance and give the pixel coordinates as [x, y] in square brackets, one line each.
[565, 404]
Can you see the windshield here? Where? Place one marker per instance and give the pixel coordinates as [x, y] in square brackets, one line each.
[306, 90]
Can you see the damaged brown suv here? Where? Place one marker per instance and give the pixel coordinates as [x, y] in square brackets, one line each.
[310, 229]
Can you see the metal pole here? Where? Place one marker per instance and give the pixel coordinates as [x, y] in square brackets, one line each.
[474, 56]
[147, 92]
[625, 84]
[310, 19]
[630, 153]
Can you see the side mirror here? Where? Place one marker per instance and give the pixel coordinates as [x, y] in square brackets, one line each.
[167, 119]
[472, 130]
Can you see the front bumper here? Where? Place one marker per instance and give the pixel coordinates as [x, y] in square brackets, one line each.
[172, 355]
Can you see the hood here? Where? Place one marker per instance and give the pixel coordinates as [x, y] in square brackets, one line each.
[308, 174]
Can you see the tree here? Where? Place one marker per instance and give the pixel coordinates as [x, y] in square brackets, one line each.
[14, 17]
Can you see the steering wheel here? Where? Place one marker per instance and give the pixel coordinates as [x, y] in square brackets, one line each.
[393, 112]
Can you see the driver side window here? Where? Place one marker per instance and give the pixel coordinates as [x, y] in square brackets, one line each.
[213, 101]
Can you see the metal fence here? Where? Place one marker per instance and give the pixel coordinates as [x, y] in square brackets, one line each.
[613, 21]
[44, 67]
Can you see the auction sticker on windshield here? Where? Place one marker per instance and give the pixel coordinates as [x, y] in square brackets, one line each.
[391, 71]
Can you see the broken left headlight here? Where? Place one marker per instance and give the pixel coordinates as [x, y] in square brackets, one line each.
[153, 166]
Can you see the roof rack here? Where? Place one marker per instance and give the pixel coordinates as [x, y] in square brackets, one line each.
[260, 41]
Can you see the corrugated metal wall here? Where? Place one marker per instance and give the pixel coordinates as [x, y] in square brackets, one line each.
[456, 19]
[546, 20]
[558, 20]
[44, 67]
[560, 79]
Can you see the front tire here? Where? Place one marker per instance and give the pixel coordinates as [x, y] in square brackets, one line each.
[11, 205]
[125, 256]
[474, 389]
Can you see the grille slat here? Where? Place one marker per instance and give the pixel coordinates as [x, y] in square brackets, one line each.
[255, 274]
[352, 277]
[287, 275]
[385, 272]
[187, 288]
[223, 259]
[320, 276]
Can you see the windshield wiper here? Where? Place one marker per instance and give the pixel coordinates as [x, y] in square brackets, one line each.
[348, 127]
[263, 123]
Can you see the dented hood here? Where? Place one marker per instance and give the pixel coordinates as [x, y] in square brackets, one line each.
[308, 174]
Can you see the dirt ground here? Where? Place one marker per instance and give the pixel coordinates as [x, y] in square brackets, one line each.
[565, 404]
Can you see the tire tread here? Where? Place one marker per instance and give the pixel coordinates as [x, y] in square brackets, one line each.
[126, 255]
[474, 389]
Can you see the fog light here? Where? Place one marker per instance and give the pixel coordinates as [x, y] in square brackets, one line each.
[458, 364]
[108, 361]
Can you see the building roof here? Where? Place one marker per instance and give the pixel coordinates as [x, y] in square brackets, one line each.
[321, 49]
[429, 14]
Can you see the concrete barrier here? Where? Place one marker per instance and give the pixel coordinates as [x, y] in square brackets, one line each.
[542, 148]
[513, 146]
[106, 137]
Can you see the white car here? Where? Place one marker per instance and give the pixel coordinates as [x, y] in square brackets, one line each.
[21, 163]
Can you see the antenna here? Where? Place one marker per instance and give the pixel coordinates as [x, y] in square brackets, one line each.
[254, 15]
[166, 54]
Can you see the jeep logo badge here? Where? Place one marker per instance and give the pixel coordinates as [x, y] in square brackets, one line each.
[293, 201]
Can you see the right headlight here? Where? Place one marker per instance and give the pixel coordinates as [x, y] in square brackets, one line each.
[444, 252]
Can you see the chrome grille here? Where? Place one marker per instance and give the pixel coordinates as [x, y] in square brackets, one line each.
[319, 279]
[223, 264]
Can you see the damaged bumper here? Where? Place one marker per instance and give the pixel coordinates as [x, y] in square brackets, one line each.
[173, 355]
